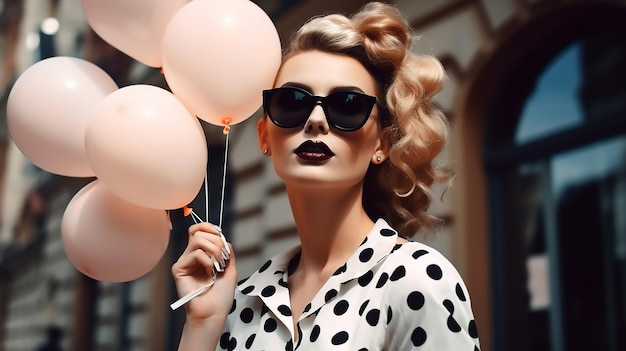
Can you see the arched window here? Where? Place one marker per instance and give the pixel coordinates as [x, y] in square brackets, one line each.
[554, 105]
[556, 165]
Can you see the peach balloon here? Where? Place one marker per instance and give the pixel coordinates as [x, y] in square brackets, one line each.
[48, 111]
[218, 56]
[147, 148]
[134, 27]
[110, 239]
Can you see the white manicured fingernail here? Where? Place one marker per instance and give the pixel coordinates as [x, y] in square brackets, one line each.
[225, 254]
[225, 243]
[217, 265]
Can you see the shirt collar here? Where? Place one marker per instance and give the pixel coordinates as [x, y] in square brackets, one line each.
[378, 244]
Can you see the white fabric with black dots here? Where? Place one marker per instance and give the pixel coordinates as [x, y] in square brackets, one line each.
[387, 296]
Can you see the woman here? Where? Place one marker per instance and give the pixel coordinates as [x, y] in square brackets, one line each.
[351, 129]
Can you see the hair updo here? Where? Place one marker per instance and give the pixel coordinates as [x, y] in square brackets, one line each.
[416, 131]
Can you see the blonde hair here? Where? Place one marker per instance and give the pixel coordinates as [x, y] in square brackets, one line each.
[416, 131]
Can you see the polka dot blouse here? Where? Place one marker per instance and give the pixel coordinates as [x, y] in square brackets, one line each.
[387, 296]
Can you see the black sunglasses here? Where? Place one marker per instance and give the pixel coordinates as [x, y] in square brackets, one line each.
[290, 107]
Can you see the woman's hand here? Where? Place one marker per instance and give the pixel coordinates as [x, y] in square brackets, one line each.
[206, 254]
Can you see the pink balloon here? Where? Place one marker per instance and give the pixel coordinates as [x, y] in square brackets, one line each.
[147, 148]
[48, 110]
[134, 27]
[110, 239]
[218, 56]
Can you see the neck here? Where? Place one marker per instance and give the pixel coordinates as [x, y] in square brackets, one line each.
[331, 223]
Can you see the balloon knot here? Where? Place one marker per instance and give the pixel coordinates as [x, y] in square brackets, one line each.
[226, 122]
[187, 211]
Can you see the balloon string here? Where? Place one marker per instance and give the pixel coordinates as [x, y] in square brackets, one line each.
[195, 217]
[224, 176]
[206, 189]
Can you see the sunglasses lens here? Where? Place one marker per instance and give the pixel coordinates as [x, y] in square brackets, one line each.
[348, 111]
[288, 108]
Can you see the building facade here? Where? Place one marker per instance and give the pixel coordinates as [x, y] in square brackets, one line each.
[536, 96]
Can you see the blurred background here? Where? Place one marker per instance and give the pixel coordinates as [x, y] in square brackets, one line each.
[535, 220]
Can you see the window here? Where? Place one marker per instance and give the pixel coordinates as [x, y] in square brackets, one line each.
[554, 105]
[558, 201]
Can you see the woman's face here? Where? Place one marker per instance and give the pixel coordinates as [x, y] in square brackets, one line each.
[316, 154]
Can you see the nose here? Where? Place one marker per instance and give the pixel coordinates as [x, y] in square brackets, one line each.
[317, 121]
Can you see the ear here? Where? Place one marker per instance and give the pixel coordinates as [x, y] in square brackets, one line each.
[382, 149]
[261, 130]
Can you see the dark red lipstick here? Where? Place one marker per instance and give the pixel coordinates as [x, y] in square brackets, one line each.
[314, 150]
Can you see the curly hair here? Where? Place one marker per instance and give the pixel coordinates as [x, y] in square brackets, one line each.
[416, 131]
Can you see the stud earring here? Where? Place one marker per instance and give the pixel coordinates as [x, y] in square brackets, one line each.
[378, 159]
[266, 151]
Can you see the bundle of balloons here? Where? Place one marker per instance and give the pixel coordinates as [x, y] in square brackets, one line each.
[143, 144]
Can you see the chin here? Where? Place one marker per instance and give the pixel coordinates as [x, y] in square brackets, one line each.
[319, 180]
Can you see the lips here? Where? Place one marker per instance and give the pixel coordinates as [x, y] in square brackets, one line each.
[314, 151]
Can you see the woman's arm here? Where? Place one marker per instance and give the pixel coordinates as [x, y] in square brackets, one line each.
[201, 335]
[207, 254]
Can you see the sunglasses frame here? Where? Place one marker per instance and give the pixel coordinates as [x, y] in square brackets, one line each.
[321, 100]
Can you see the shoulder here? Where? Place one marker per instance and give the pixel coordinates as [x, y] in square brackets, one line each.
[420, 263]
[414, 266]
[421, 270]
[427, 300]
[421, 275]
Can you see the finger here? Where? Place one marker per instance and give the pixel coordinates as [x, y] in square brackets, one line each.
[204, 227]
[219, 265]
[231, 266]
[189, 263]
[225, 243]
[213, 248]
[216, 250]
[203, 238]
[231, 254]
